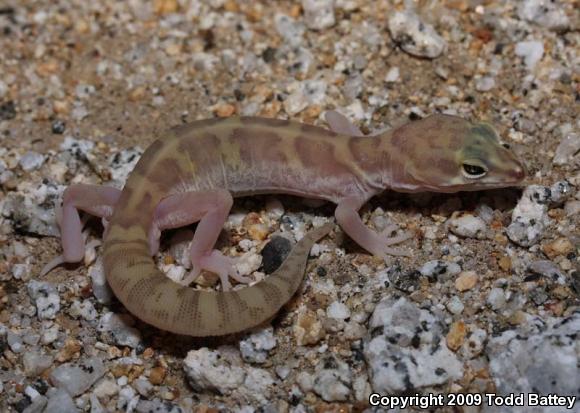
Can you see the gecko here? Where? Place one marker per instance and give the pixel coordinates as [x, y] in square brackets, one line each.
[194, 171]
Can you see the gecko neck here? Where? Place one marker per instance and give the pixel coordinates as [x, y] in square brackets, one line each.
[391, 165]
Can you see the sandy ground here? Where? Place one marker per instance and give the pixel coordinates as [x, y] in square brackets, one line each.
[86, 86]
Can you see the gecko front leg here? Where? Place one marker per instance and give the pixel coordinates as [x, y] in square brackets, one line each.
[349, 219]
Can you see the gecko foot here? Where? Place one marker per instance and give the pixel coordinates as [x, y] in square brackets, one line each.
[219, 264]
[389, 238]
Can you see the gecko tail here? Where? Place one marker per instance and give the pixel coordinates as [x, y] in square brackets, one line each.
[148, 294]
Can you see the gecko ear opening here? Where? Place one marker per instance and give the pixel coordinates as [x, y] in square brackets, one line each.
[473, 169]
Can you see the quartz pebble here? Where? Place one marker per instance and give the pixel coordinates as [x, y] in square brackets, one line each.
[256, 347]
[414, 36]
[309, 92]
[118, 327]
[84, 309]
[128, 399]
[468, 226]
[45, 297]
[567, 150]
[497, 298]
[539, 356]
[455, 306]
[207, 370]
[529, 218]
[14, 341]
[290, 30]
[332, 379]
[392, 75]
[405, 347]
[106, 388]
[319, 14]
[338, 311]
[31, 161]
[31, 209]
[76, 378]
[474, 344]
[59, 401]
[122, 163]
[440, 270]
[531, 51]
[545, 13]
[485, 84]
[549, 270]
[218, 371]
[35, 362]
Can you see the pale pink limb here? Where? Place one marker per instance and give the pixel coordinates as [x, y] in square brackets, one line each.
[210, 208]
[94, 199]
[340, 124]
[390, 239]
[219, 264]
[378, 244]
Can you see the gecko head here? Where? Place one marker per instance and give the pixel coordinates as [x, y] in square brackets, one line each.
[452, 154]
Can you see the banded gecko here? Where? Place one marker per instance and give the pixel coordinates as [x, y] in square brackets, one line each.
[193, 173]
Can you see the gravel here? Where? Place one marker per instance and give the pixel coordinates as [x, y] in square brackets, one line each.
[488, 298]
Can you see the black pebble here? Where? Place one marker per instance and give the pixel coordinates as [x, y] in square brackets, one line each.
[7, 110]
[274, 253]
[58, 127]
[269, 54]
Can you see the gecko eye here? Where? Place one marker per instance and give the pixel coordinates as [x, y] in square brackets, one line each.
[472, 171]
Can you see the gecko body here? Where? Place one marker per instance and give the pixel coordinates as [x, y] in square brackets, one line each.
[193, 173]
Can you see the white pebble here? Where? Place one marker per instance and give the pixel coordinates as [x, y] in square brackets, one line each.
[485, 84]
[338, 310]
[392, 75]
[84, 309]
[45, 297]
[455, 306]
[531, 51]
[468, 226]
[414, 36]
[207, 370]
[31, 161]
[497, 298]
[568, 150]
[319, 14]
[529, 217]
[332, 379]
[119, 327]
[544, 13]
[256, 347]
[77, 377]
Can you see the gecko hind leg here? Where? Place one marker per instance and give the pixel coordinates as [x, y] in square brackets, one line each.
[211, 209]
[96, 200]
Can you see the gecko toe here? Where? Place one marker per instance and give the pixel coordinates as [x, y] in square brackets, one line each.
[221, 265]
[396, 239]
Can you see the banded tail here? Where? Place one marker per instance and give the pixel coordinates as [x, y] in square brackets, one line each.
[148, 294]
